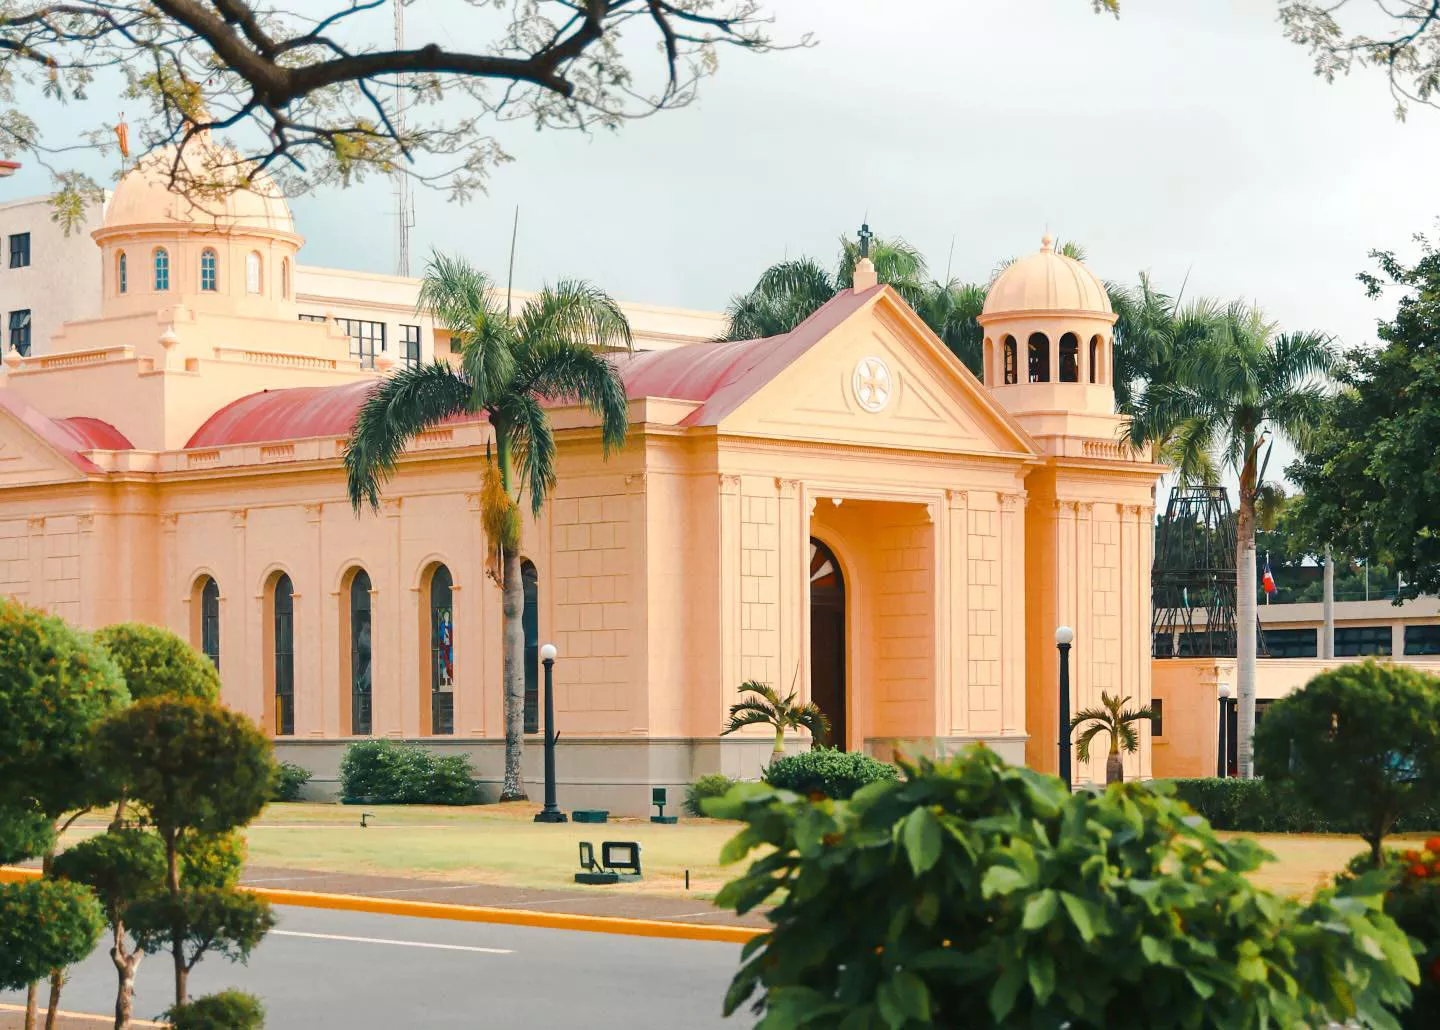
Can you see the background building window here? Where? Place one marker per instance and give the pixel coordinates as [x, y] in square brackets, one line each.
[252, 272]
[20, 332]
[1290, 643]
[530, 623]
[312, 318]
[366, 339]
[121, 272]
[20, 250]
[162, 269]
[1422, 639]
[207, 270]
[1362, 640]
[410, 344]
[360, 643]
[284, 604]
[442, 652]
[210, 621]
[1157, 724]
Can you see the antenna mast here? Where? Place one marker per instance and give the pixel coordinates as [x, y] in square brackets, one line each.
[404, 210]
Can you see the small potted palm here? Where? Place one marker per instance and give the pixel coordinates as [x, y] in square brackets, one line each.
[1114, 718]
[765, 707]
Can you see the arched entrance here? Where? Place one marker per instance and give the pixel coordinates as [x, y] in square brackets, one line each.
[827, 639]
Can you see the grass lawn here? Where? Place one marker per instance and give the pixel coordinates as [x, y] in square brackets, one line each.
[501, 844]
[483, 844]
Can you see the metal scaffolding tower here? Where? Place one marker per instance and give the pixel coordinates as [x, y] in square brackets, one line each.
[1193, 580]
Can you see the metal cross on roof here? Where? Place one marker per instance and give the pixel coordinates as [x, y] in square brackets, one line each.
[865, 237]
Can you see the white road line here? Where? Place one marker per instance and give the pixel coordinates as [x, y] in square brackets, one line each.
[383, 940]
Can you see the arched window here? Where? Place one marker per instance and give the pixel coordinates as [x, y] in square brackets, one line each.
[1095, 352]
[1069, 358]
[121, 272]
[162, 269]
[360, 665]
[210, 620]
[283, 604]
[252, 272]
[285, 278]
[1039, 358]
[530, 622]
[442, 652]
[207, 270]
[1012, 374]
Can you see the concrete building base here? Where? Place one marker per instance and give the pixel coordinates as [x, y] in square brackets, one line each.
[614, 773]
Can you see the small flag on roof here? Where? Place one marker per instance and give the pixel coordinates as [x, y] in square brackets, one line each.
[1268, 580]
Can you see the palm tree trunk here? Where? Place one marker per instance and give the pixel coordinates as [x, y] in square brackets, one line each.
[1245, 616]
[1114, 768]
[514, 676]
[779, 739]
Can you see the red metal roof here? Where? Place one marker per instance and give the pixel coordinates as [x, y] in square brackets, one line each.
[93, 434]
[721, 376]
[68, 436]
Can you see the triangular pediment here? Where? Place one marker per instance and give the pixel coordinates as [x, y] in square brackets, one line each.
[27, 459]
[881, 378]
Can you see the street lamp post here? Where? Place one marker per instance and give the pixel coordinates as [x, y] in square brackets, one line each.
[1224, 762]
[551, 812]
[1064, 636]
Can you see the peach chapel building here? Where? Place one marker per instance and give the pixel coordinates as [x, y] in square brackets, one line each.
[844, 509]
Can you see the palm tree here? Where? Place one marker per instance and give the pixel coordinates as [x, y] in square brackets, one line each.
[1114, 718]
[1241, 387]
[508, 367]
[768, 708]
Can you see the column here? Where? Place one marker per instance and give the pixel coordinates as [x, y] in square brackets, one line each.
[1012, 631]
[794, 571]
[241, 665]
[957, 578]
[390, 714]
[315, 660]
[729, 500]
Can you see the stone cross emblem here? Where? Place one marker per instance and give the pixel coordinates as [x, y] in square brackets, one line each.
[872, 384]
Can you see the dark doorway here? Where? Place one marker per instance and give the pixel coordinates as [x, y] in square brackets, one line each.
[827, 639]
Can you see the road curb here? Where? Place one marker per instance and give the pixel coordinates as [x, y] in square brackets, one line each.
[476, 914]
[89, 1017]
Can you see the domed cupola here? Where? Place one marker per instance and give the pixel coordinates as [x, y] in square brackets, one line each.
[224, 241]
[1049, 337]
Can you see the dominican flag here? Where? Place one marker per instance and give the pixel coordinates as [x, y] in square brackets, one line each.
[1268, 580]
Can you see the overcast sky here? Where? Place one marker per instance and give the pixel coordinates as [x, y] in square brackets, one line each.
[1188, 136]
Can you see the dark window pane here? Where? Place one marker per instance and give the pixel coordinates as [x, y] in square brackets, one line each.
[210, 621]
[20, 331]
[312, 318]
[1289, 643]
[284, 603]
[366, 339]
[442, 652]
[1362, 640]
[1011, 374]
[1422, 639]
[1039, 358]
[360, 644]
[20, 250]
[1069, 358]
[531, 623]
[410, 344]
[1157, 724]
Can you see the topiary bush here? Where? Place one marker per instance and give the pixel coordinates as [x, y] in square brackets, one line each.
[383, 772]
[228, 1010]
[156, 662]
[714, 785]
[290, 779]
[972, 893]
[835, 774]
[1264, 806]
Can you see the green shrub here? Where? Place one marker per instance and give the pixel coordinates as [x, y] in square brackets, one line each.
[1358, 743]
[45, 925]
[228, 1010]
[978, 894]
[386, 773]
[715, 785]
[156, 662]
[212, 859]
[836, 774]
[1263, 806]
[289, 780]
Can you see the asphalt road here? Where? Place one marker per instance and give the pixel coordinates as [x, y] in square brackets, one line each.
[321, 969]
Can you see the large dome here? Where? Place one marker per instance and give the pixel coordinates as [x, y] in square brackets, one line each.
[1047, 282]
[144, 196]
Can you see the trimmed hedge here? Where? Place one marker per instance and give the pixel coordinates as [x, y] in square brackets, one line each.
[382, 772]
[1258, 806]
[836, 774]
[715, 785]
